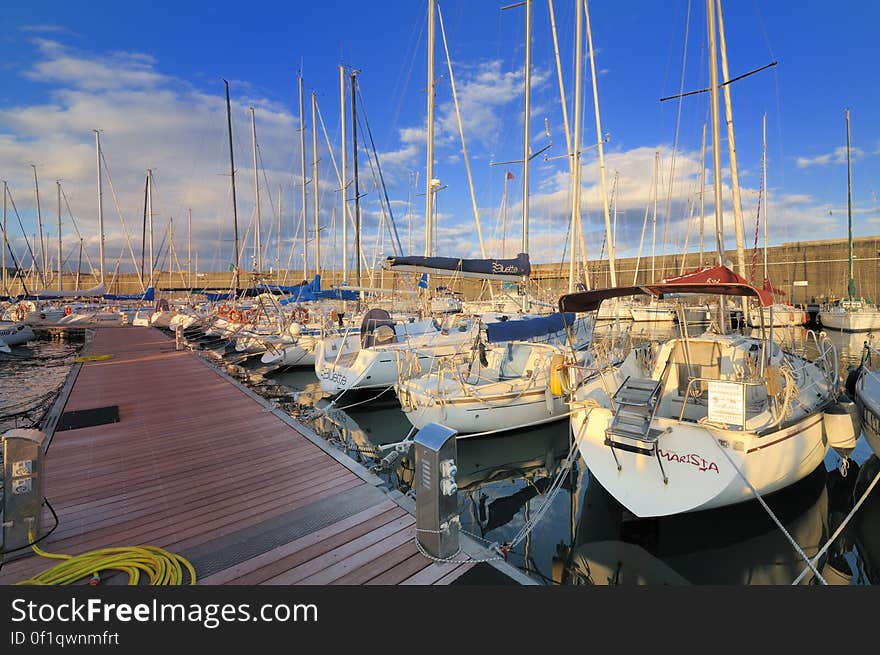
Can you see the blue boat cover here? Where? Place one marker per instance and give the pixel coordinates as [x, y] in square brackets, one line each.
[215, 297]
[149, 294]
[527, 328]
[489, 269]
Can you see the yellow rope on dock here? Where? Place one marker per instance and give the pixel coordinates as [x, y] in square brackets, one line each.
[92, 358]
[161, 566]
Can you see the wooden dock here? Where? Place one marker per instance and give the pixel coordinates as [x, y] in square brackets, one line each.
[203, 467]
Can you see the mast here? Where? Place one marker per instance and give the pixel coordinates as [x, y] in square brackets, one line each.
[526, 132]
[599, 141]
[60, 284]
[645, 225]
[851, 287]
[235, 274]
[731, 144]
[344, 176]
[189, 242]
[654, 219]
[764, 186]
[278, 238]
[429, 164]
[4, 245]
[716, 150]
[258, 246]
[144, 227]
[40, 225]
[357, 209]
[302, 170]
[315, 185]
[101, 208]
[79, 263]
[504, 217]
[150, 221]
[575, 152]
[702, 190]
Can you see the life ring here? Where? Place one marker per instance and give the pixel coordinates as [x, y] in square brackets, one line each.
[301, 315]
[223, 312]
[20, 312]
[251, 313]
[67, 310]
[235, 316]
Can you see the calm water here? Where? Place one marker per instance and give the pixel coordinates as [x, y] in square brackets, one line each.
[30, 375]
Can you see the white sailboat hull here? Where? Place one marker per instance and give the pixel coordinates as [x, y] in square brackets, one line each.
[855, 321]
[782, 316]
[15, 334]
[700, 475]
[491, 413]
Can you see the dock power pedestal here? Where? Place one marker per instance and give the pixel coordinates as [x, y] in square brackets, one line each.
[437, 521]
[21, 480]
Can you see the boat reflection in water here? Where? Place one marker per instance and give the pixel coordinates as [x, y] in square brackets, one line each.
[501, 480]
[732, 545]
[867, 529]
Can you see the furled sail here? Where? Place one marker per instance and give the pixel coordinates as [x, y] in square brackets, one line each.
[487, 269]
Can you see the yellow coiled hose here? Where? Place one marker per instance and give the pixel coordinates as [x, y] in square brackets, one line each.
[159, 565]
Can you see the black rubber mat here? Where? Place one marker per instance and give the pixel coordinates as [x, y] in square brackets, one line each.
[87, 418]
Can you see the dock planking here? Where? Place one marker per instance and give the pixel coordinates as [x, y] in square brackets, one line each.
[200, 467]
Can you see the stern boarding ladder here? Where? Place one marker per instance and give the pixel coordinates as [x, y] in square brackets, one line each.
[630, 429]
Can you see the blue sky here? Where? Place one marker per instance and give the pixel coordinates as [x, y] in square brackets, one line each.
[150, 78]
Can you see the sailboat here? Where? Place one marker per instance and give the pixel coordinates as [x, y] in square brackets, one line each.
[850, 314]
[702, 422]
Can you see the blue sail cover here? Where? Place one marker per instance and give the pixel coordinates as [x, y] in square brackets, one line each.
[149, 294]
[216, 297]
[487, 269]
[527, 328]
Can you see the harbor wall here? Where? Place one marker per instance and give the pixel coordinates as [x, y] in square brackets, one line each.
[818, 267]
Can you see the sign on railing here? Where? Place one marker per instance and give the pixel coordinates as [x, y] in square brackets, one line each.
[727, 402]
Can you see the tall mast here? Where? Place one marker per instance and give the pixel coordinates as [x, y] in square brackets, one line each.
[101, 207]
[526, 132]
[144, 227]
[731, 144]
[60, 284]
[150, 221]
[429, 164]
[315, 185]
[189, 243]
[702, 190]
[172, 256]
[357, 209]
[79, 262]
[4, 245]
[235, 274]
[716, 148]
[851, 287]
[258, 246]
[278, 238]
[654, 219]
[608, 235]
[40, 226]
[344, 175]
[302, 172]
[764, 186]
[575, 153]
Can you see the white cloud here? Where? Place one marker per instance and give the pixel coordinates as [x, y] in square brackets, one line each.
[836, 156]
